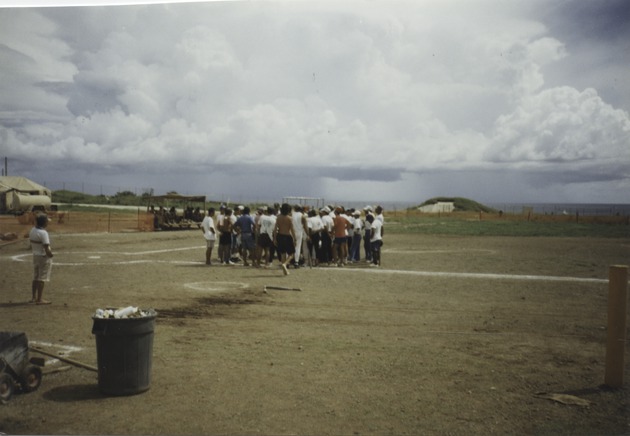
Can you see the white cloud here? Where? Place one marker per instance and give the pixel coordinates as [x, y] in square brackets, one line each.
[562, 125]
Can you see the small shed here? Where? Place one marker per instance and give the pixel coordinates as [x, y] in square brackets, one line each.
[19, 194]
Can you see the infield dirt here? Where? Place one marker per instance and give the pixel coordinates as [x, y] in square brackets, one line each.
[452, 335]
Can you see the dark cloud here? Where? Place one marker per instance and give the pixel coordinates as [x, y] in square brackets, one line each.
[597, 38]
[89, 96]
[581, 21]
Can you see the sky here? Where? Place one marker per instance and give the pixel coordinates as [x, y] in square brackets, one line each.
[498, 101]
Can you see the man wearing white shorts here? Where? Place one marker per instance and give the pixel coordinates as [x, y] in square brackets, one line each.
[300, 230]
[209, 233]
[42, 258]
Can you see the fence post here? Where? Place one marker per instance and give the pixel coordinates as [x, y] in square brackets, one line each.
[616, 331]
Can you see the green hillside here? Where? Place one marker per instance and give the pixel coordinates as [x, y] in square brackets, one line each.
[121, 198]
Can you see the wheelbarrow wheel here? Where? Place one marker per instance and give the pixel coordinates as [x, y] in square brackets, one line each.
[6, 386]
[31, 378]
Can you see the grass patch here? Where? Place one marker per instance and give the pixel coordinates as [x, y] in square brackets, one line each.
[460, 226]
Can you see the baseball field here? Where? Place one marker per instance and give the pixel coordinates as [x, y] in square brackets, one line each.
[453, 334]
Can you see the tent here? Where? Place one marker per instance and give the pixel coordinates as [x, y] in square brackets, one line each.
[20, 194]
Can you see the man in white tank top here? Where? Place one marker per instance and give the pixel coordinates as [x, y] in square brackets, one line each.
[299, 227]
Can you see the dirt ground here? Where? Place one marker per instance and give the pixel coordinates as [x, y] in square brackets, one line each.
[452, 335]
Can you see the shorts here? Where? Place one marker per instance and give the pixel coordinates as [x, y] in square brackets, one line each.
[225, 239]
[285, 244]
[376, 245]
[42, 266]
[247, 241]
[264, 240]
[340, 241]
[209, 243]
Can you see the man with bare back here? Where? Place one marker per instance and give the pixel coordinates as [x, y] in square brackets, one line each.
[283, 237]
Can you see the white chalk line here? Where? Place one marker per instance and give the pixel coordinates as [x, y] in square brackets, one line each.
[441, 251]
[490, 276]
[167, 250]
[97, 255]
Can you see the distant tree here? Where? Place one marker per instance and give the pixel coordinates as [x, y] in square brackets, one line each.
[125, 194]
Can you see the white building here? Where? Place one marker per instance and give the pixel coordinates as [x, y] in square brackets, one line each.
[439, 207]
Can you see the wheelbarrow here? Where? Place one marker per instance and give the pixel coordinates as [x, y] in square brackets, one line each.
[16, 370]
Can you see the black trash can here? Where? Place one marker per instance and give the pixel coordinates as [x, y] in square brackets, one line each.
[124, 349]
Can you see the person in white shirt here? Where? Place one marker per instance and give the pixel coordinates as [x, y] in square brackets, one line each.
[327, 236]
[376, 240]
[300, 230]
[218, 224]
[379, 216]
[367, 234]
[349, 231]
[357, 226]
[209, 233]
[315, 228]
[42, 258]
[265, 236]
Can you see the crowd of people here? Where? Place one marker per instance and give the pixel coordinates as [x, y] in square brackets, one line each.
[296, 236]
[167, 218]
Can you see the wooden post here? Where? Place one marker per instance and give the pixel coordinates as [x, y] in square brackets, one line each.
[616, 332]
